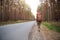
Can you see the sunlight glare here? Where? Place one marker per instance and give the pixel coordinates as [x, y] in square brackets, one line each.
[33, 4]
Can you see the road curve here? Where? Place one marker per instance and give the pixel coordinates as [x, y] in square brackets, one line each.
[18, 31]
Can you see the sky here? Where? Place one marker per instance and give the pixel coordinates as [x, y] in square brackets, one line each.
[33, 4]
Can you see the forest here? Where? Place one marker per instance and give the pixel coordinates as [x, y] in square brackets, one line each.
[15, 10]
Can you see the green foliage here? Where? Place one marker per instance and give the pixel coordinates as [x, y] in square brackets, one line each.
[51, 27]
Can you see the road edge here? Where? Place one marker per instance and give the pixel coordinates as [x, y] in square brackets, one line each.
[30, 33]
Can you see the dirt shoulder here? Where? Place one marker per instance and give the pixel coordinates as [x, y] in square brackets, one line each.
[35, 35]
[12, 22]
[50, 34]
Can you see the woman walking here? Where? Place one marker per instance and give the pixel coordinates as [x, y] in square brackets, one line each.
[39, 19]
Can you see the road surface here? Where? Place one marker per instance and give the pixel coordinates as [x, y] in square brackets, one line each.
[18, 31]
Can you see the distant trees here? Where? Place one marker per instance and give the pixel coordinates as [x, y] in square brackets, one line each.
[15, 10]
[0, 9]
[50, 10]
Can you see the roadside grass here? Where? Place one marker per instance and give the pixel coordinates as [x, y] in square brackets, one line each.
[51, 26]
[55, 23]
[12, 22]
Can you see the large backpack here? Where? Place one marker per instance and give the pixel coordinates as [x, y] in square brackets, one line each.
[39, 17]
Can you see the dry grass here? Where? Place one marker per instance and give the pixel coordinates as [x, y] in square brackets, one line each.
[52, 26]
[12, 22]
[55, 23]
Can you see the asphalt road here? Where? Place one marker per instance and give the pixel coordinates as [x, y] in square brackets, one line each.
[18, 31]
